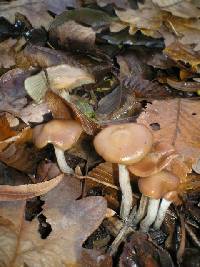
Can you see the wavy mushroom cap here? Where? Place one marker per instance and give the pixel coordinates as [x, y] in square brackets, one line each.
[124, 143]
[158, 185]
[158, 159]
[61, 133]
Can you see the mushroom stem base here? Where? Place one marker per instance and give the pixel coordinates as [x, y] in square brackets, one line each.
[60, 156]
[152, 211]
[164, 205]
[141, 210]
[127, 198]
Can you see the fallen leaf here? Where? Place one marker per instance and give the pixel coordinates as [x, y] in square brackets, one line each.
[6, 131]
[7, 59]
[34, 113]
[106, 182]
[182, 53]
[73, 36]
[43, 57]
[35, 11]
[177, 124]
[15, 185]
[12, 92]
[27, 191]
[140, 251]
[87, 16]
[118, 3]
[71, 223]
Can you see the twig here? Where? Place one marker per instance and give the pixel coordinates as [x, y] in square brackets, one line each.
[181, 249]
[192, 235]
[127, 229]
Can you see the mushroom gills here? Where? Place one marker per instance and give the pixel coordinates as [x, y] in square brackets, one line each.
[164, 205]
[60, 156]
[152, 211]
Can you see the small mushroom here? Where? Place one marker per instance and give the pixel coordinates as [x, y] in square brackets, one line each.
[156, 187]
[63, 134]
[124, 144]
[159, 158]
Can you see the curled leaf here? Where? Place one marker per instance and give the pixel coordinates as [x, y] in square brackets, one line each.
[20, 192]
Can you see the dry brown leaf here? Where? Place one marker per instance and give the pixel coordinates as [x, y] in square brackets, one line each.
[35, 11]
[42, 57]
[89, 126]
[183, 9]
[182, 53]
[147, 17]
[176, 22]
[17, 151]
[72, 35]
[117, 3]
[12, 92]
[175, 122]
[34, 113]
[6, 131]
[105, 175]
[20, 192]
[57, 106]
[7, 59]
[71, 221]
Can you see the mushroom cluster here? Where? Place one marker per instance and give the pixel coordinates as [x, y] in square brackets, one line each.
[130, 145]
[124, 144]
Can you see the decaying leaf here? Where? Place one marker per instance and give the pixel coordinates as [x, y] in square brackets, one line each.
[87, 16]
[140, 251]
[12, 92]
[176, 124]
[7, 54]
[72, 35]
[34, 113]
[35, 11]
[176, 22]
[20, 192]
[71, 222]
[105, 175]
[182, 53]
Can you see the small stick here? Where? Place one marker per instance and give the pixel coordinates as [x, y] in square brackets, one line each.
[192, 235]
[123, 233]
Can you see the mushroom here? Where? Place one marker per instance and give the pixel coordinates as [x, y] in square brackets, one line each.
[159, 158]
[124, 144]
[164, 205]
[156, 187]
[63, 134]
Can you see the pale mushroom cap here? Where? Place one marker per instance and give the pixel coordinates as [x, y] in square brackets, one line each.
[157, 185]
[124, 143]
[61, 133]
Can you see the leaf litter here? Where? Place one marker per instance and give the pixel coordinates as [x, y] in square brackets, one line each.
[99, 63]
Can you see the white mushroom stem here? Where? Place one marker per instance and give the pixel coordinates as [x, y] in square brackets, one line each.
[141, 210]
[127, 198]
[164, 205]
[60, 156]
[152, 211]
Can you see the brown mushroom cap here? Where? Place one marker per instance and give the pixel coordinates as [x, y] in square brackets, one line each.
[61, 133]
[124, 143]
[158, 159]
[157, 185]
